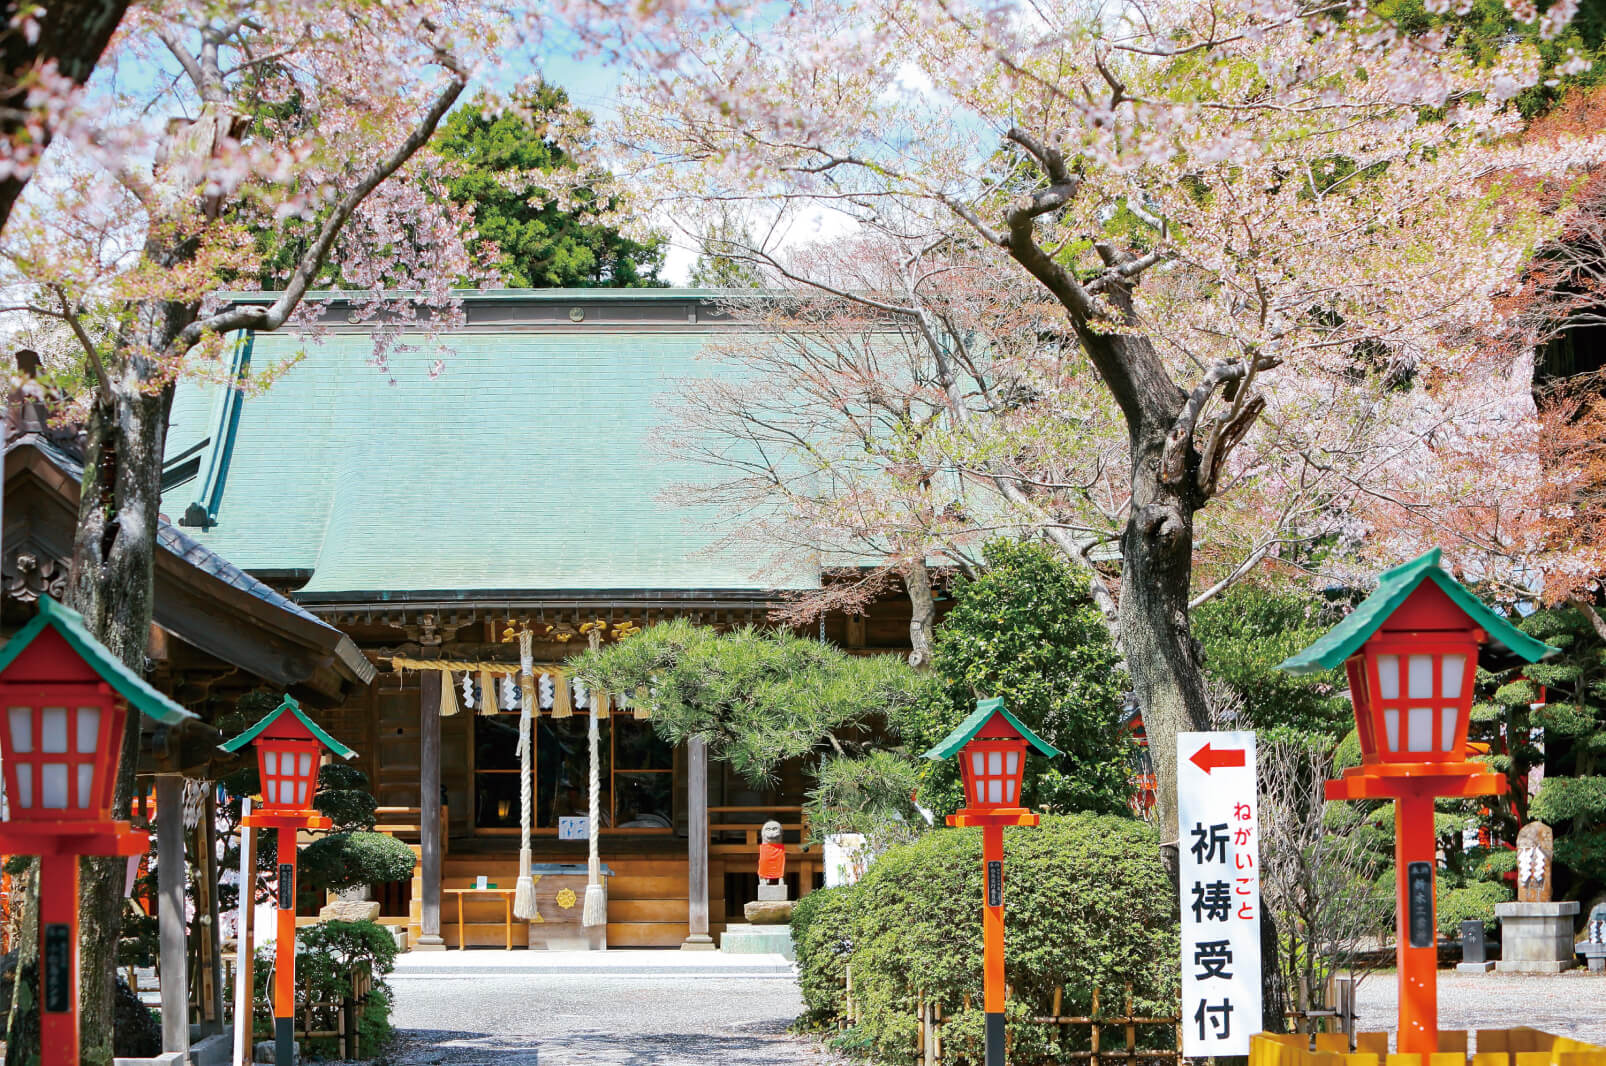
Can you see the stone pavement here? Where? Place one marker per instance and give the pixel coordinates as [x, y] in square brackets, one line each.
[1568, 1004]
[616, 1008]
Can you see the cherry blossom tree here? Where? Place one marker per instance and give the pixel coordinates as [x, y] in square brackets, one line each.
[1237, 210]
[224, 135]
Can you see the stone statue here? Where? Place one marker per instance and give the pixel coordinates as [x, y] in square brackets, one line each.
[1535, 848]
[771, 853]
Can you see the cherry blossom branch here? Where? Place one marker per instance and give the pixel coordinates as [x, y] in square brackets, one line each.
[311, 262]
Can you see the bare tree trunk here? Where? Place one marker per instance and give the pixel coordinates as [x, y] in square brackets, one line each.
[923, 616]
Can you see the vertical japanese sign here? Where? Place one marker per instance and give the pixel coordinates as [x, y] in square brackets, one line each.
[1219, 845]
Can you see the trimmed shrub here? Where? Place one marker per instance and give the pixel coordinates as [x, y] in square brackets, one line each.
[1474, 900]
[1087, 904]
[344, 860]
[822, 935]
[326, 955]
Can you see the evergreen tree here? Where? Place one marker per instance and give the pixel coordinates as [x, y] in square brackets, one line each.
[497, 156]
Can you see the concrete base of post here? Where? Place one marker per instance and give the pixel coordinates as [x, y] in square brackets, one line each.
[1536, 937]
[1474, 967]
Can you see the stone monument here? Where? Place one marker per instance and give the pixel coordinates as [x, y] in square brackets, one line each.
[1536, 934]
[769, 917]
[1593, 949]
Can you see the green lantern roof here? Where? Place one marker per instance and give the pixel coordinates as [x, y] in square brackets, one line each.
[294, 708]
[130, 686]
[984, 711]
[1511, 645]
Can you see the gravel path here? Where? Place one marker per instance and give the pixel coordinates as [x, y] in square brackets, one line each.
[1570, 1004]
[519, 1019]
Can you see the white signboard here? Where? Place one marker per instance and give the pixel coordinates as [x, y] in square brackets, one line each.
[574, 828]
[1219, 843]
[846, 857]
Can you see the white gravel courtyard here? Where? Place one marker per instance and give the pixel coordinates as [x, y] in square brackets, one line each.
[1569, 1004]
[619, 1008]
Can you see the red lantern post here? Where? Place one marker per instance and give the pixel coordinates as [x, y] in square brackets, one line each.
[1411, 652]
[992, 745]
[66, 700]
[289, 748]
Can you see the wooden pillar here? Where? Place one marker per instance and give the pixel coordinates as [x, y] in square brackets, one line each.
[170, 877]
[697, 938]
[214, 929]
[245, 944]
[429, 810]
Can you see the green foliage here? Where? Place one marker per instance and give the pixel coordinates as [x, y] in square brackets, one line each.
[869, 795]
[1089, 905]
[1026, 630]
[343, 795]
[1561, 799]
[499, 156]
[344, 860]
[1487, 27]
[823, 937]
[327, 955]
[1246, 631]
[759, 698]
[1473, 900]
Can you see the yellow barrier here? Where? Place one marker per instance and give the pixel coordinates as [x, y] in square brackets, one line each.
[1494, 1047]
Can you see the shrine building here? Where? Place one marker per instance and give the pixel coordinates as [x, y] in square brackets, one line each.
[426, 511]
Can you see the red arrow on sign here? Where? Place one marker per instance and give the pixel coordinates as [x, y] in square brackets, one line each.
[1208, 758]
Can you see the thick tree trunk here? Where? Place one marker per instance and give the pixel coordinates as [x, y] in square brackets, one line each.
[111, 585]
[923, 613]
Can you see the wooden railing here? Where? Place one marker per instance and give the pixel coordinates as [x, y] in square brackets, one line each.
[739, 835]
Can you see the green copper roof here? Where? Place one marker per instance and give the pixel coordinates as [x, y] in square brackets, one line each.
[532, 461]
[1344, 639]
[127, 684]
[268, 719]
[985, 709]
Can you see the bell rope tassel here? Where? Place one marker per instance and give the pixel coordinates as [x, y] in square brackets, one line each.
[596, 906]
[562, 707]
[524, 888]
[488, 693]
[448, 695]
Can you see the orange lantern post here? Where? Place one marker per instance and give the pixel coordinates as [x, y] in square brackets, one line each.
[992, 745]
[289, 748]
[66, 700]
[1411, 651]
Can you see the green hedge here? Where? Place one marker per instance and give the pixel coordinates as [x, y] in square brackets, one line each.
[1087, 904]
[344, 860]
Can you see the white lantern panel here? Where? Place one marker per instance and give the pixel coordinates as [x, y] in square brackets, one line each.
[995, 790]
[1419, 729]
[1447, 724]
[1009, 787]
[995, 763]
[1421, 682]
[301, 792]
[53, 730]
[86, 783]
[88, 730]
[306, 765]
[1391, 726]
[1388, 676]
[270, 760]
[1451, 674]
[53, 786]
[977, 763]
[980, 787]
[21, 719]
[1011, 761]
[25, 785]
[271, 790]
